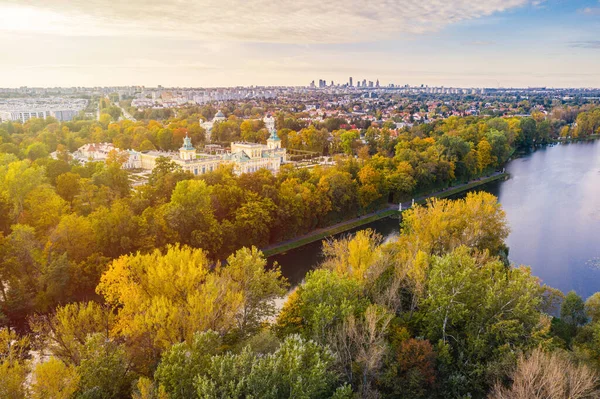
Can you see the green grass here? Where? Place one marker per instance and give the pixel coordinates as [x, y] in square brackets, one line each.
[470, 186]
[352, 224]
[327, 233]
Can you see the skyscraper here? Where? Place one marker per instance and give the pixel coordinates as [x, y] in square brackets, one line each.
[364, 83]
[350, 81]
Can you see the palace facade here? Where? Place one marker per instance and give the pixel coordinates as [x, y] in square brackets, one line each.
[245, 157]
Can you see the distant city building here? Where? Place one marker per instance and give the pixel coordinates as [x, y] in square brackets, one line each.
[364, 83]
[350, 81]
[377, 83]
[22, 110]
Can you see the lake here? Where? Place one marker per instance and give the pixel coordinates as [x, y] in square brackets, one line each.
[552, 204]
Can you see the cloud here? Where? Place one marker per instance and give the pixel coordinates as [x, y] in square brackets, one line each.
[277, 21]
[590, 11]
[483, 43]
[586, 44]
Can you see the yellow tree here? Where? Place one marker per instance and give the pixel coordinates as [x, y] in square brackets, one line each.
[64, 334]
[54, 380]
[485, 158]
[477, 221]
[372, 185]
[164, 298]
[13, 367]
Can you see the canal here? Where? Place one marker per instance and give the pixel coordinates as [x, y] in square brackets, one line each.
[552, 204]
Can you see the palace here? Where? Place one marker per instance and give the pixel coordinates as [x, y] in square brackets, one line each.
[245, 157]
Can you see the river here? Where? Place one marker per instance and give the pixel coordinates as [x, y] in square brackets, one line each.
[552, 204]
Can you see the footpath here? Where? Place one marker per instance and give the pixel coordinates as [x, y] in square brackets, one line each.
[390, 210]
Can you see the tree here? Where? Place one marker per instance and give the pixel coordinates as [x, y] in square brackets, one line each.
[476, 221]
[548, 375]
[183, 362]
[572, 316]
[298, 369]
[163, 179]
[13, 366]
[64, 334]
[36, 151]
[410, 370]
[485, 158]
[592, 307]
[526, 137]
[572, 310]
[190, 213]
[54, 380]
[68, 186]
[74, 236]
[253, 221]
[104, 370]
[478, 309]
[43, 209]
[372, 185]
[499, 144]
[18, 180]
[323, 302]
[164, 298]
[349, 140]
[365, 337]
[114, 177]
[118, 218]
[259, 287]
[353, 258]
[37, 280]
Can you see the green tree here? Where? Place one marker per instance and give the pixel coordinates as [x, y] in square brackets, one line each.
[572, 310]
[323, 302]
[592, 307]
[259, 285]
[104, 370]
[298, 369]
[478, 310]
[190, 213]
[183, 362]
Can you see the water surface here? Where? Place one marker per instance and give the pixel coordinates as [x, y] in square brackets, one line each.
[552, 204]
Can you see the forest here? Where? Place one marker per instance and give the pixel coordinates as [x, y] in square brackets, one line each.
[159, 291]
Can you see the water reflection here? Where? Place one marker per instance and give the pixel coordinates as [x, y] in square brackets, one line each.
[552, 203]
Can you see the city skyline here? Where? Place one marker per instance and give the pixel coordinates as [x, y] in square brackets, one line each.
[455, 43]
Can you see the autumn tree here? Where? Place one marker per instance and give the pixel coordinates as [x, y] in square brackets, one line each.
[548, 375]
[164, 298]
[54, 380]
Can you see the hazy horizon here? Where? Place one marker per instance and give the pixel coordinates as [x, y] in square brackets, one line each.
[452, 43]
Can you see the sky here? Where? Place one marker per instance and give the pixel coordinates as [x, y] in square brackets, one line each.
[200, 43]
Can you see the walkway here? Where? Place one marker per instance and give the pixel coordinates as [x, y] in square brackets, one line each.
[346, 225]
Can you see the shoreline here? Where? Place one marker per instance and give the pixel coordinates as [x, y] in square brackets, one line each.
[320, 234]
